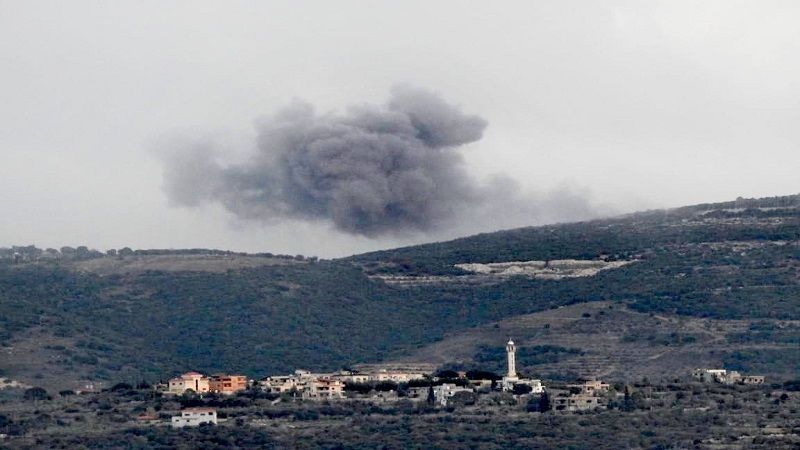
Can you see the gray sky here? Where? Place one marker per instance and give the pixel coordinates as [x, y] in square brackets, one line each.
[616, 105]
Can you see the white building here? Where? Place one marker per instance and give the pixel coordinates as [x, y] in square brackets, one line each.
[192, 417]
[710, 375]
[726, 376]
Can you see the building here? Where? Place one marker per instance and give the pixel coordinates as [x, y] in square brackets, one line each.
[511, 375]
[323, 389]
[512, 378]
[590, 387]
[278, 384]
[710, 375]
[190, 381]
[443, 392]
[192, 417]
[347, 376]
[227, 384]
[480, 385]
[753, 379]
[725, 377]
[306, 384]
[395, 376]
[564, 401]
[419, 393]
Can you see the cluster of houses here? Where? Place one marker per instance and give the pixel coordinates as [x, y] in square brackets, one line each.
[331, 386]
[723, 376]
[301, 383]
[421, 386]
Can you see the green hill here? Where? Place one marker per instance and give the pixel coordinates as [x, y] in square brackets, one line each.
[66, 317]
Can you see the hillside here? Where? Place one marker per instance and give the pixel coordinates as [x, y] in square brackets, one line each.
[607, 340]
[136, 315]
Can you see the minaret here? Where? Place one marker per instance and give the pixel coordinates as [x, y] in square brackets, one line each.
[511, 349]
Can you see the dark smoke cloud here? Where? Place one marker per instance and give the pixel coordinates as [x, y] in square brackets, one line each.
[371, 171]
[375, 170]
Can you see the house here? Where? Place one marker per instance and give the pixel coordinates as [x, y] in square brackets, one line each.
[725, 376]
[278, 384]
[227, 384]
[752, 379]
[711, 375]
[444, 391]
[590, 387]
[323, 389]
[395, 376]
[419, 393]
[192, 417]
[564, 401]
[480, 385]
[347, 376]
[190, 381]
[308, 385]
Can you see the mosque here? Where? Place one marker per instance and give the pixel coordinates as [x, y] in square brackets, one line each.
[512, 378]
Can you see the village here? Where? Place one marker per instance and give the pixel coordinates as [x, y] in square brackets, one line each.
[411, 383]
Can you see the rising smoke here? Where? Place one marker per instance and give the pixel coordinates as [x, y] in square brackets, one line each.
[374, 170]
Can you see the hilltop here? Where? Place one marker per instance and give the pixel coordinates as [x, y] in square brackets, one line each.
[83, 315]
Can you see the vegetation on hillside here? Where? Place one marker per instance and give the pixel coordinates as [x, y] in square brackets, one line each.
[717, 261]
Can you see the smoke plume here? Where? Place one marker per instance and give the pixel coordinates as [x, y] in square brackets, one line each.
[392, 169]
[371, 171]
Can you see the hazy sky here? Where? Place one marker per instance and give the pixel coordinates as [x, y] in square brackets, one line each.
[616, 105]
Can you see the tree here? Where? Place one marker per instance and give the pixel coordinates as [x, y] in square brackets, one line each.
[449, 374]
[482, 375]
[463, 398]
[121, 387]
[539, 404]
[360, 388]
[386, 386]
[544, 402]
[36, 393]
[521, 389]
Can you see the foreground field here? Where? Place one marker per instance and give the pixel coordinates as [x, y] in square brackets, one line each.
[653, 416]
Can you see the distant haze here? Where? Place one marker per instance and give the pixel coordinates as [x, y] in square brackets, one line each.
[329, 128]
